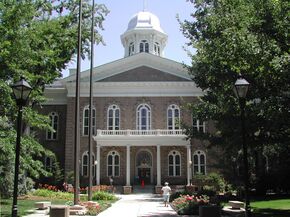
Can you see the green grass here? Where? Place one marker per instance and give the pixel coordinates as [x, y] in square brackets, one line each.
[271, 208]
[23, 206]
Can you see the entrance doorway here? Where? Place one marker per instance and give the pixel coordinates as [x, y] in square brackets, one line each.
[144, 174]
[143, 170]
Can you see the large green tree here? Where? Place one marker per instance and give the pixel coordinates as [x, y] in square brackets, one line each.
[251, 38]
[38, 38]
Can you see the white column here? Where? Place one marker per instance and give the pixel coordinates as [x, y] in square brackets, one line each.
[98, 159]
[189, 163]
[128, 166]
[158, 166]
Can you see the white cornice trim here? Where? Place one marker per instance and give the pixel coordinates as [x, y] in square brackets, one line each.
[131, 89]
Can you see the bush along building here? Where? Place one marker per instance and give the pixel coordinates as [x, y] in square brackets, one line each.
[138, 108]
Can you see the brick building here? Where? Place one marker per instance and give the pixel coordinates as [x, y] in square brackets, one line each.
[138, 105]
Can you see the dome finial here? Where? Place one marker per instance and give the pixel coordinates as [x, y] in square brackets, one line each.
[144, 5]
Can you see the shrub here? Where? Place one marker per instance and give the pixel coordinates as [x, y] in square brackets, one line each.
[189, 205]
[102, 195]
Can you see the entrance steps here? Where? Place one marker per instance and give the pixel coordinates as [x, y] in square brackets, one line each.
[146, 189]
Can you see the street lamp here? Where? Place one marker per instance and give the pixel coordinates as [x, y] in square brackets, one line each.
[241, 89]
[21, 91]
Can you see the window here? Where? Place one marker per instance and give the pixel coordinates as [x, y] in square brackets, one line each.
[113, 118]
[173, 117]
[48, 163]
[131, 49]
[199, 162]
[113, 163]
[85, 164]
[52, 135]
[156, 48]
[86, 121]
[198, 125]
[144, 46]
[174, 163]
[143, 117]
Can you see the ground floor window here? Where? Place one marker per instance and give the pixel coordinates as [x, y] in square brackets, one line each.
[199, 162]
[113, 163]
[174, 163]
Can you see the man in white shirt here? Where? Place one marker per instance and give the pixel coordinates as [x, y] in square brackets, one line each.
[166, 193]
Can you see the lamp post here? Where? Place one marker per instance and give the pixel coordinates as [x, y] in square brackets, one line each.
[21, 91]
[241, 89]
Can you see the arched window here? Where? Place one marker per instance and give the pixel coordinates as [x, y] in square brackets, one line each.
[131, 49]
[156, 48]
[173, 117]
[85, 164]
[198, 125]
[174, 163]
[199, 162]
[113, 163]
[48, 163]
[52, 134]
[144, 46]
[113, 118]
[86, 121]
[143, 117]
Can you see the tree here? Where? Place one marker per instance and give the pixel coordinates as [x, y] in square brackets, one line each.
[38, 38]
[250, 38]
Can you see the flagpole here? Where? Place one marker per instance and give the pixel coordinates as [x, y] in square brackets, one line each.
[77, 113]
[91, 105]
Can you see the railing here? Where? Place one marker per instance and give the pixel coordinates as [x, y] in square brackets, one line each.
[140, 133]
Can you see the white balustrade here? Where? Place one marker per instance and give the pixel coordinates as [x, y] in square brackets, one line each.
[128, 132]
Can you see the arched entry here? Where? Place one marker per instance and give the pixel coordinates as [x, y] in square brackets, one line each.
[144, 167]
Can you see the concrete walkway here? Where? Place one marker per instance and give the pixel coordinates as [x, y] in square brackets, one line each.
[133, 205]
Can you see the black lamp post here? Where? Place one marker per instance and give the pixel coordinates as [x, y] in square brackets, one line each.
[241, 89]
[21, 91]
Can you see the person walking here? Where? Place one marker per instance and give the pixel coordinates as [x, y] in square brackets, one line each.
[166, 193]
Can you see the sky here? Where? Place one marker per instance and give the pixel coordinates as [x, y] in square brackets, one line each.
[116, 22]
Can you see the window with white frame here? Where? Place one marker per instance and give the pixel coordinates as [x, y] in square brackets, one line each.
[86, 120]
[173, 117]
[131, 49]
[48, 163]
[54, 121]
[143, 117]
[113, 164]
[199, 162]
[198, 125]
[85, 164]
[144, 46]
[156, 48]
[174, 163]
[113, 118]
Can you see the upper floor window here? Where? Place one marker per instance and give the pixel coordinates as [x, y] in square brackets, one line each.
[86, 122]
[131, 48]
[174, 164]
[144, 46]
[48, 163]
[85, 164]
[113, 117]
[143, 117]
[52, 134]
[173, 117]
[198, 125]
[199, 162]
[156, 48]
[113, 163]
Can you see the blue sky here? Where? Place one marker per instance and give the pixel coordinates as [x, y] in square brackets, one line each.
[121, 11]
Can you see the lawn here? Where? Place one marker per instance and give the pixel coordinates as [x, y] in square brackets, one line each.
[271, 208]
[26, 203]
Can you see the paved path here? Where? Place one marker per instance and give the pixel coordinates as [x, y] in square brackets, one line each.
[133, 205]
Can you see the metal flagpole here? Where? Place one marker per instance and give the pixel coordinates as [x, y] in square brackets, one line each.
[91, 104]
[77, 113]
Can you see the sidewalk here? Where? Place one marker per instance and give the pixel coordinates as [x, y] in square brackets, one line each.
[133, 205]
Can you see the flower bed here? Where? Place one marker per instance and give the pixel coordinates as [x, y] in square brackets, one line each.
[189, 205]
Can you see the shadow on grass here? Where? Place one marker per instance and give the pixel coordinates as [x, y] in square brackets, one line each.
[271, 213]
